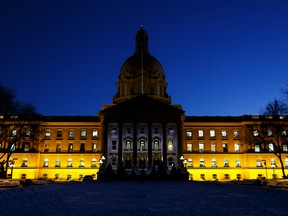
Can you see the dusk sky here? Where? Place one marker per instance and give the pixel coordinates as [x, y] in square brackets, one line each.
[220, 58]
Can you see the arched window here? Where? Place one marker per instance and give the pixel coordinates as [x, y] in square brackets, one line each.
[202, 164]
[273, 163]
[156, 145]
[258, 163]
[45, 163]
[142, 146]
[226, 163]
[128, 146]
[81, 164]
[238, 164]
[214, 163]
[69, 164]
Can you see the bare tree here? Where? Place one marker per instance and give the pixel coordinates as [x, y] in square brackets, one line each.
[269, 133]
[19, 128]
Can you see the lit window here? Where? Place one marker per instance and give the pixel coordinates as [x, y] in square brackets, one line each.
[83, 134]
[225, 147]
[284, 133]
[94, 147]
[257, 148]
[226, 163]
[269, 133]
[214, 163]
[271, 147]
[238, 164]
[82, 164]
[212, 134]
[189, 147]
[71, 134]
[273, 163]
[258, 163]
[255, 133]
[93, 162]
[285, 148]
[13, 147]
[142, 145]
[14, 132]
[70, 147]
[286, 162]
[213, 147]
[224, 134]
[156, 145]
[201, 147]
[47, 134]
[236, 147]
[189, 133]
[58, 163]
[94, 134]
[202, 164]
[27, 132]
[128, 145]
[170, 145]
[236, 134]
[45, 164]
[69, 164]
[200, 133]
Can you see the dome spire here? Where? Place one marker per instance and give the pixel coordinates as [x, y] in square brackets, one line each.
[141, 41]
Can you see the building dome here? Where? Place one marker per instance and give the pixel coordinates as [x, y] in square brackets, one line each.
[141, 73]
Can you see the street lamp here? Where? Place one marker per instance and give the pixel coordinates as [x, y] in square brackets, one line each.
[265, 168]
[12, 165]
[182, 160]
[185, 162]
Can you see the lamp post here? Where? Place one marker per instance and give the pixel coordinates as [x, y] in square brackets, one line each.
[185, 163]
[12, 166]
[182, 160]
[265, 168]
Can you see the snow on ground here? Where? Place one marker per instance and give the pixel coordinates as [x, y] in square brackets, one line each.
[148, 198]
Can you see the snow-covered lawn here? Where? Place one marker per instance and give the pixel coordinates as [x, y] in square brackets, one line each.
[149, 198]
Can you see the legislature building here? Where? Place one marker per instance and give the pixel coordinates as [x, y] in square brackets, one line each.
[142, 129]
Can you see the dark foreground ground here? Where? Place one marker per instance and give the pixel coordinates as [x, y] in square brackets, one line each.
[149, 198]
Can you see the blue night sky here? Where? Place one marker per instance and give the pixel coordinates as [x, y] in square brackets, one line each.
[219, 57]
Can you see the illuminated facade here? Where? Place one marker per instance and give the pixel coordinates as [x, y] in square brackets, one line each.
[140, 129]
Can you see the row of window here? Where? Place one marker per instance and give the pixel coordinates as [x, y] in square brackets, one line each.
[142, 145]
[14, 132]
[212, 134]
[201, 147]
[71, 147]
[259, 163]
[71, 134]
[57, 163]
[257, 147]
[269, 133]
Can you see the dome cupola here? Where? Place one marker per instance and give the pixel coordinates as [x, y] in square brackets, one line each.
[141, 73]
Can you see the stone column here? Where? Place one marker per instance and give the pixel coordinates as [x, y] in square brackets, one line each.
[149, 144]
[120, 146]
[164, 144]
[134, 144]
